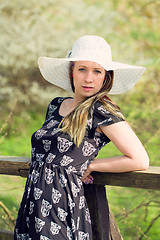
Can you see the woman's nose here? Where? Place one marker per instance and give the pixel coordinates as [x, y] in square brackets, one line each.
[88, 77]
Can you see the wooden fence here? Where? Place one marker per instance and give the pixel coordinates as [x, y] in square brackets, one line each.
[103, 222]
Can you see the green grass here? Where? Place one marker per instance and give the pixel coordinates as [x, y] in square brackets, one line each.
[20, 129]
[125, 200]
[11, 189]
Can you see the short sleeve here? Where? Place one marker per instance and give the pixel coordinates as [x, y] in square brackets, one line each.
[103, 117]
[52, 107]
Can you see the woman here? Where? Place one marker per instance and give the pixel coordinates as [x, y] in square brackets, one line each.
[75, 129]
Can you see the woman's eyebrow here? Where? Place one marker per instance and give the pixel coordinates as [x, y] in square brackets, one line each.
[97, 68]
[82, 66]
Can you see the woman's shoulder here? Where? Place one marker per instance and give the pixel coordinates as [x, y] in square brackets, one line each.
[56, 100]
[106, 113]
[103, 107]
[53, 107]
[106, 102]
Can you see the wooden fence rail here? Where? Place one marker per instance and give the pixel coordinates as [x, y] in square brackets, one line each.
[104, 225]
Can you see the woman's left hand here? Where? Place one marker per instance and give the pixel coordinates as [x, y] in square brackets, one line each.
[87, 178]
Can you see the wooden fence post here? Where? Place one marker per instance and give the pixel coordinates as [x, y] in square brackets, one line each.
[98, 206]
[104, 226]
[6, 235]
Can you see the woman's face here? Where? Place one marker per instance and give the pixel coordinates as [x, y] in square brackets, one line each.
[88, 78]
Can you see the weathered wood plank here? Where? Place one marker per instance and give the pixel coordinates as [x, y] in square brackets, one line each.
[149, 179]
[114, 230]
[6, 235]
[14, 165]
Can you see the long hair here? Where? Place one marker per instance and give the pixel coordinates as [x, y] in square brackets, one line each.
[75, 122]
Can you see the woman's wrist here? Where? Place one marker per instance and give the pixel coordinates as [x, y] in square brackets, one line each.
[91, 167]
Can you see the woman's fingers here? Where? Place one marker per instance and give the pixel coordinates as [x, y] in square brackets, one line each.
[88, 179]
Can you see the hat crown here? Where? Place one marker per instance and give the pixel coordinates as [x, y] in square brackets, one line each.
[93, 48]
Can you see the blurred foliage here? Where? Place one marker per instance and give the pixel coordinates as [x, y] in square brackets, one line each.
[33, 28]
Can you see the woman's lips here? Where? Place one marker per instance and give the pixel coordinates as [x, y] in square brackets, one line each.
[87, 88]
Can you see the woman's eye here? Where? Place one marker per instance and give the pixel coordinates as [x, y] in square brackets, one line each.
[81, 69]
[97, 71]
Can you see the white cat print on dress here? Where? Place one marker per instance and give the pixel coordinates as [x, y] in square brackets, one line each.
[50, 157]
[83, 236]
[103, 110]
[104, 121]
[44, 238]
[69, 233]
[23, 236]
[31, 207]
[84, 167]
[87, 216]
[54, 228]
[45, 208]
[37, 193]
[39, 157]
[51, 110]
[34, 176]
[60, 99]
[62, 214]
[75, 189]
[56, 196]
[66, 160]
[39, 224]
[71, 204]
[52, 123]
[71, 170]
[49, 175]
[73, 225]
[47, 145]
[88, 149]
[89, 123]
[39, 134]
[81, 202]
[63, 144]
[62, 180]
[55, 131]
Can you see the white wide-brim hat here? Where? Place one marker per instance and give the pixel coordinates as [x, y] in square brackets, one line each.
[95, 49]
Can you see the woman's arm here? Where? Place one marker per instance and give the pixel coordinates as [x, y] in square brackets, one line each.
[134, 155]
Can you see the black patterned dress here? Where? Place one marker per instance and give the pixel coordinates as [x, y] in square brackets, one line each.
[53, 204]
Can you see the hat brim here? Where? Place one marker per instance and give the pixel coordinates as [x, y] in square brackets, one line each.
[56, 71]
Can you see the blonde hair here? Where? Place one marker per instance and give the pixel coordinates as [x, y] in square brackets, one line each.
[76, 121]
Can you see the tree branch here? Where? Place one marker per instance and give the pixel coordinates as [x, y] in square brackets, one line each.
[11, 218]
[142, 204]
[150, 225]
